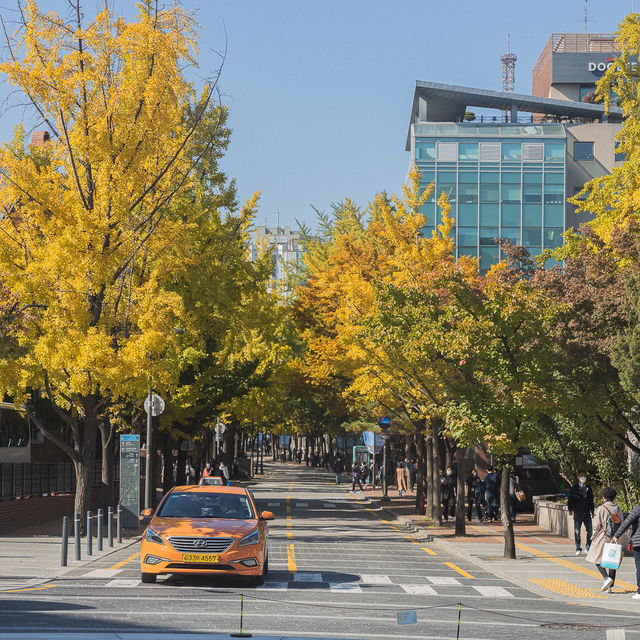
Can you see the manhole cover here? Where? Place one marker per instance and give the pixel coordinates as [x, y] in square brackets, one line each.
[575, 626]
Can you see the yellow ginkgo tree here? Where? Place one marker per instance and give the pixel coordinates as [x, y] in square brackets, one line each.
[87, 219]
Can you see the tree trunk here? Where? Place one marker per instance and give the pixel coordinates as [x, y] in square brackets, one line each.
[435, 475]
[84, 464]
[106, 439]
[509, 539]
[421, 474]
[460, 492]
[181, 475]
[428, 479]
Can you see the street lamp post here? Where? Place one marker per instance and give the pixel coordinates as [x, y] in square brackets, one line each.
[149, 464]
[385, 425]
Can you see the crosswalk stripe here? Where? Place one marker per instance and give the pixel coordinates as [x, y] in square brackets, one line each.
[371, 579]
[274, 586]
[302, 505]
[422, 589]
[444, 580]
[493, 592]
[102, 573]
[345, 586]
[122, 583]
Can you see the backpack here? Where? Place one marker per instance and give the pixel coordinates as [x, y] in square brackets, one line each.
[613, 521]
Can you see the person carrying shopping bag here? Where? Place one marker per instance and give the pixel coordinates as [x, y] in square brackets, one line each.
[606, 521]
[632, 521]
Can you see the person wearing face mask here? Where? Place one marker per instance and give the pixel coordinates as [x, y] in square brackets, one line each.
[473, 494]
[448, 494]
[580, 505]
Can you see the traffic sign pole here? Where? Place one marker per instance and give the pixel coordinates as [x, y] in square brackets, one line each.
[149, 465]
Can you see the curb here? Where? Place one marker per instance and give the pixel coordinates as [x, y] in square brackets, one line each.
[408, 524]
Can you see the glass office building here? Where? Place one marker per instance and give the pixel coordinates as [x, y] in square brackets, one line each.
[508, 177]
[502, 180]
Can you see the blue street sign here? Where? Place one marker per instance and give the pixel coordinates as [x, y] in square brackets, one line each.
[384, 423]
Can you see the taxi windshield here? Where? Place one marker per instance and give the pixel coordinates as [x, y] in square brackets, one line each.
[206, 505]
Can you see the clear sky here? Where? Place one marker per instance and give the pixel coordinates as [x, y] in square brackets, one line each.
[320, 91]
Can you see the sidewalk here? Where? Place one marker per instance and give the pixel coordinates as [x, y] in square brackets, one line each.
[546, 562]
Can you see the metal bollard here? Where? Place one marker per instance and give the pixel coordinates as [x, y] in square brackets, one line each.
[110, 526]
[76, 535]
[119, 523]
[89, 535]
[99, 531]
[65, 541]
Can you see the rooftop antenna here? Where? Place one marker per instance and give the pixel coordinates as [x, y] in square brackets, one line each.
[508, 60]
[277, 219]
[586, 16]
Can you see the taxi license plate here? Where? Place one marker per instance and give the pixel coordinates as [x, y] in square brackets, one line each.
[199, 557]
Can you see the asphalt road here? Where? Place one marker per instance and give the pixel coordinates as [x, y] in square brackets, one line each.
[338, 569]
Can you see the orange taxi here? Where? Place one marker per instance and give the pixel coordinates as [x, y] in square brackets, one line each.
[208, 529]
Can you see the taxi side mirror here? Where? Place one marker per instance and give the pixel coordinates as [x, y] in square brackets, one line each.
[267, 515]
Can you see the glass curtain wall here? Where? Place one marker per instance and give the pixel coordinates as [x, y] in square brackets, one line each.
[511, 188]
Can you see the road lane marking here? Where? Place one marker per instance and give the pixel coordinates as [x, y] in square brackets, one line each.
[291, 558]
[421, 589]
[410, 539]
[493, 592]
[123, 562]
[565, 588]
[429, 551]
[371, 579]
[46, 586]
[462, 572]
[444, 580]
[345, 586]
[289, 534]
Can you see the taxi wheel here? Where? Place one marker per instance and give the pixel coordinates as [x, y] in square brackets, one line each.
[148, 578]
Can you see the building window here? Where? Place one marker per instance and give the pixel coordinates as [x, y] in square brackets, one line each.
[489, 151]
[583, 150]
[489, 215]
[585, 90]
[532, 236]
[488, 236]
[511, 151]
[425, 150]
[447, 152]
[510, 215]
[552, 237]
[532, 151]
[467, 150]
[554, 151]
[553, 215]
[512, 234]
[467, 236]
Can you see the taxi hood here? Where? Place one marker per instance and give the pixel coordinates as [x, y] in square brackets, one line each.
[203, 527]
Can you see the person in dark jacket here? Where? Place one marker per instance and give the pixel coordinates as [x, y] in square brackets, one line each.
[448, 494]
[473, 495]
[632, 521]
[491, 494]
[580, 504]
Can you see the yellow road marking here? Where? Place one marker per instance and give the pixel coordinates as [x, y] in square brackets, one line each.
[566, 588]
[47, 586]
[291, 557]
[462, 572]
[289, 534]
[570, 565]
[412, 540]
[429, 551]
[123, 562]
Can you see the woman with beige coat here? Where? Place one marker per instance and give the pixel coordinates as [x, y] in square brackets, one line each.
[599, 524]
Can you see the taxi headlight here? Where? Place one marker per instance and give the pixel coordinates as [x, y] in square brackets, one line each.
[252, 538]
[151, 536]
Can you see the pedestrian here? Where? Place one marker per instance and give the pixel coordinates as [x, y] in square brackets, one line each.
[338, 468]
[605, 523]
[355, 477]
[580, 505]
[514, 489]
[224, 473]
[473, 497]
[407, 473]
[448, 494]
[413, 468]
[299, 456]
[206, 472]
[632, 521]
[491, 493]
[401, 478]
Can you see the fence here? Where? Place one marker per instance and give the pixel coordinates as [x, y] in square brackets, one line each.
[28, 479]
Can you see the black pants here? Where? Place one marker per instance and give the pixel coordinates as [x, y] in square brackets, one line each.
[473, 500]
[448, 507]
[603, 573]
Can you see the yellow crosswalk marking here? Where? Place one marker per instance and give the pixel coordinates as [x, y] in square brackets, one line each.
[462, 572]
[565, 588]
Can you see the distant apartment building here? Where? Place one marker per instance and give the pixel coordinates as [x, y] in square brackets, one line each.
[287, 249]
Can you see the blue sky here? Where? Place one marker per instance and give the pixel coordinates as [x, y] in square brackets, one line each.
[320, 91]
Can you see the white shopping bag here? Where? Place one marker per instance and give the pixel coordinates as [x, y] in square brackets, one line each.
[611, 556]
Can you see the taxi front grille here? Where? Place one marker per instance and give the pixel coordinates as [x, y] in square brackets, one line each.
[200, 545]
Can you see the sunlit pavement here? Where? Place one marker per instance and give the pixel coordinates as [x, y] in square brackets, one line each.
[339, 568]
